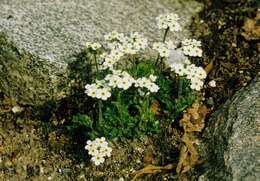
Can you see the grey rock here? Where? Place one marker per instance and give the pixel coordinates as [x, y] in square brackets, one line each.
[232, 138]
[55, 30]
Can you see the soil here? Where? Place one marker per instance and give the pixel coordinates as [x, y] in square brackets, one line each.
[230, 45]
[35, 144]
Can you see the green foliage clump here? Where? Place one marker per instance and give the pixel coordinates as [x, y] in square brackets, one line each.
[130, 115]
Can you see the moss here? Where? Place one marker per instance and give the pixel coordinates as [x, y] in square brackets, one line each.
[27, 78]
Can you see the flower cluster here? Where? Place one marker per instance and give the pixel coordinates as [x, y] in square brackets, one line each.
[147, 83]
[120, 45]
[195, 74]
[191, 47]
[169, 21]
[98, 149]
[98, 90]
[93, 46]
[120, 79]
[164, 48]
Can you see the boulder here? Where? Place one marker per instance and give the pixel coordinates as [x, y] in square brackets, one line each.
[232, 138]
[52, 32]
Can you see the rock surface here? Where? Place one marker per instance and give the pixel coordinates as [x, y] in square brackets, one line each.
[232, 138]
[55, 30]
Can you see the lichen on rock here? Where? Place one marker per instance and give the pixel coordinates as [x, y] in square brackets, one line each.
[232, 138]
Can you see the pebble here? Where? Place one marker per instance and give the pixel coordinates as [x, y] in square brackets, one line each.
[212, 83]
[121, 179]
[17, 109]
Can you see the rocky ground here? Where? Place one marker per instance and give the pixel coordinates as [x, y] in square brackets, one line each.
[35, 144]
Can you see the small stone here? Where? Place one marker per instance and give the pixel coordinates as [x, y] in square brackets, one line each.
[17, 109]
[121, 179]
[212, 83]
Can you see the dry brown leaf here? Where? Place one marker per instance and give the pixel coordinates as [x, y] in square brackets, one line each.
[151, 169]
[189, 156]
[209, 67]
[192, 121]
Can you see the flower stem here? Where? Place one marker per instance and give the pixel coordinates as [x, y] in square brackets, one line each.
[164, 38]
[165, 34]
[96, 63]
[157, 59]
[100, 117]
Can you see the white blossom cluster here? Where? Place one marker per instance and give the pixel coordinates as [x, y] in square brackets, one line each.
[169, 21]
[191, 47]
[195, 74]
[121, 45]
[98, 149]
[99, 90]
[164, 48]
[147, 83]
[93, 46]
[119, 79]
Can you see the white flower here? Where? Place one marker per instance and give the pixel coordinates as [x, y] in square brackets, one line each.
[101, 142]
[169, 21]
[196, 84]
[106, 151]
[195, 74]
[98, 90]
[201, 73]
[103, 94]
[162, 49]
[147, 83]
[93, 46]
[154, 88]
[158, 45]
[123, 83]
[164, 52]
[152, 78]
[98, 159]
[113, 81]
[93, 151]
[191, 42]
[98, 149]
[212, 83]
[114, 35]
[179, 69]
[191, 47]
[109, 62]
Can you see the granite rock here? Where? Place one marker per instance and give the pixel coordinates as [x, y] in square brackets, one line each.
[54, 31]
[232, 138]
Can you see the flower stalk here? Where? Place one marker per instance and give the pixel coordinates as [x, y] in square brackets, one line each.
[164, 38]
[100, 116]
